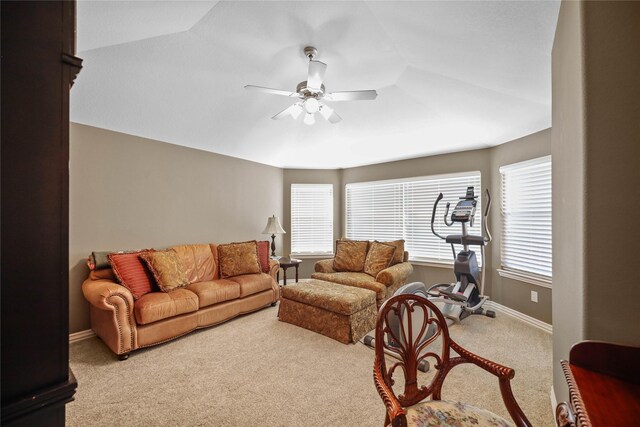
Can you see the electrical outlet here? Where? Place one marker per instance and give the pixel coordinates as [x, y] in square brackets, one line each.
[534, 296]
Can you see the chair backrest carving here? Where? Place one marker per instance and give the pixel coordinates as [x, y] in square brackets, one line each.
[421, 324]
[414, 328]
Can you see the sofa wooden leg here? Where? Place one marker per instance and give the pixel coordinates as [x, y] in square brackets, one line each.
[124, 356]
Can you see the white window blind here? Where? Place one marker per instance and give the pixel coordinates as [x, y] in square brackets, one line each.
[526, 217]
[401, 209]
[311, 218]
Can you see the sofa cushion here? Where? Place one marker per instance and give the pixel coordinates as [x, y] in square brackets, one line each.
[213, 292]
[253, 283]
[132, 272]
[197, 262]
[398, 257]
[350, 255]
[166, 268]
[355, 279]
[156, 306]
[238, 258]
[263, 255]
[378, 258]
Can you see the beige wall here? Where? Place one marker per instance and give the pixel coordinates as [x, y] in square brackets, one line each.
[515, 294]
[568, 188]
[596, 148]
[128, 192]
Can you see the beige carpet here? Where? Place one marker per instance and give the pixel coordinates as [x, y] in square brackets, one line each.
[258, 371]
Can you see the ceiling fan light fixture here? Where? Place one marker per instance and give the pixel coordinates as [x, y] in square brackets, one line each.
[296, 111]
[311, 105]
[309, 119]
[326, 111]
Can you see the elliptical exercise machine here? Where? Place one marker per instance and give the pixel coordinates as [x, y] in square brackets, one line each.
[465, 297]
[460, 299]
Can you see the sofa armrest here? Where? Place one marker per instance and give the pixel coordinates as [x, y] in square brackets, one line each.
[395, 274]
[112, 317]
[324, 266]
[274, 266]
[103, 294]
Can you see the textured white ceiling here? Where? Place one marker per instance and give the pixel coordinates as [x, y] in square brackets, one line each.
[450, 76]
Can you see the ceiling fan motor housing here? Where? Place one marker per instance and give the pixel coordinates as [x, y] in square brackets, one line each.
[310, 52]
[306, 92]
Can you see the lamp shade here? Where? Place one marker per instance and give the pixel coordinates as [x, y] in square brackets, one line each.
[273, 226]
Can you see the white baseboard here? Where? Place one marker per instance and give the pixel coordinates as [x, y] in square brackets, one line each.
[520, 316]
[81, 335]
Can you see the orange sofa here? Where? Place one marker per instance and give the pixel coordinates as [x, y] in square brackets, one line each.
[126, 324]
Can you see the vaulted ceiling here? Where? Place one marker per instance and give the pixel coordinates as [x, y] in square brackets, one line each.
[450, 76]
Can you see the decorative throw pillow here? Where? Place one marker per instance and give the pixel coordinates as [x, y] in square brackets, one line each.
[238, 258]
[263, 255]
[398, 257]
[378, 258]
[131, 272]
[350, 255]
[98, 260]
[166, 269]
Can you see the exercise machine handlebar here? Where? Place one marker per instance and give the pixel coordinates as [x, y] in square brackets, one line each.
[433, 215]
[486, 235]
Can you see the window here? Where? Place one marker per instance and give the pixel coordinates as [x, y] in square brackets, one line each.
[526, 218]
[311, 219]
[388, 210]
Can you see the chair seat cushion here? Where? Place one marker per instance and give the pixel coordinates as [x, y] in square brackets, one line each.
[433, 413]
[156, 306]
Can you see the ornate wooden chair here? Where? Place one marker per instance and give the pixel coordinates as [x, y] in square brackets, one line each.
[420, 325]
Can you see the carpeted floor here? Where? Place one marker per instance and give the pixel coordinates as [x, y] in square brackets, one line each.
[258, 371]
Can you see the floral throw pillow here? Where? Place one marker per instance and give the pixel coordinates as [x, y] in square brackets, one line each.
[166, 268]
[378, 258]
[350, 255]
[238, 258]
[398, 257]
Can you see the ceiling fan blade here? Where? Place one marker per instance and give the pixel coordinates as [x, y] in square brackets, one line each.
[271, 91]
[316, 74]
[351, 95]
[293, 111]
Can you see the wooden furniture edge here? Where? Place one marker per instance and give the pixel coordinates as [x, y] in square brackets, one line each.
[581, 416]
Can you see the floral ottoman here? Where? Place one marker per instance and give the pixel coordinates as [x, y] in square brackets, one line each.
[341, 312]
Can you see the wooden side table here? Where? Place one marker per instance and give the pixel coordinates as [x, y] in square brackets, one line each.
[286, 263]
[604, 386]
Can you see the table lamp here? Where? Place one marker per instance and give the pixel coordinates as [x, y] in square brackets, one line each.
[273, 227]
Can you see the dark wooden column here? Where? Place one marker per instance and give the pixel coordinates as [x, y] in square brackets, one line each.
[38, 68]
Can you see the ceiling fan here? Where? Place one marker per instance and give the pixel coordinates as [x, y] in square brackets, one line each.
[311, 93]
